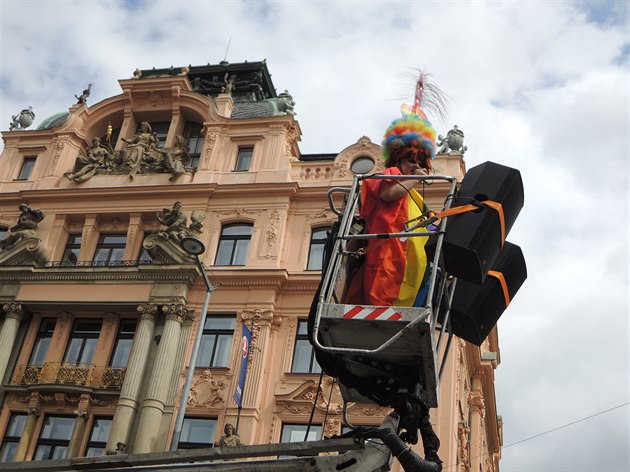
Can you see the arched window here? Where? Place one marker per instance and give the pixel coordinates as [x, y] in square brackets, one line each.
[234, 244]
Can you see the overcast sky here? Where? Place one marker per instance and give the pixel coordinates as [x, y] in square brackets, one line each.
[539, 85]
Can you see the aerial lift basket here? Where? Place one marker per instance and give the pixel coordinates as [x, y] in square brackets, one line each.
[379, 354]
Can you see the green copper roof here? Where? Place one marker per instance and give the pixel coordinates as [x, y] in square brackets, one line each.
[54, 120]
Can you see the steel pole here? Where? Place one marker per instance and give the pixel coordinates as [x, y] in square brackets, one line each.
[177, 432]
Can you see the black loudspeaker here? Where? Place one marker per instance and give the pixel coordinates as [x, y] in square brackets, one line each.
[473, 239]
[476, 308]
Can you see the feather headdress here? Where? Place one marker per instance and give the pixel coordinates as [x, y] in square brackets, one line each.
[413, 131]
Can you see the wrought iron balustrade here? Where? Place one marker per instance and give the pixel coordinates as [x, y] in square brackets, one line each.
[63, 373]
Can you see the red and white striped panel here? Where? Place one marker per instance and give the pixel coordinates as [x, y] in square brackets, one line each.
[357, 312]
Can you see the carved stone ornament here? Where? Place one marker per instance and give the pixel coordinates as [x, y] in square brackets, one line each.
[141, 156]
[22, 246]
[148, 311]
[13, 310]
[453, 143]
[462, 447]
[209, 390]
[165, 246]
[175, 312]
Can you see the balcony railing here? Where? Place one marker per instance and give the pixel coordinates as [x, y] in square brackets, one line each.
[62, 373]
[114, 263]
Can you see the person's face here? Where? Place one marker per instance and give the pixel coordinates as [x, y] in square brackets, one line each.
[409, 165]
[228, 429]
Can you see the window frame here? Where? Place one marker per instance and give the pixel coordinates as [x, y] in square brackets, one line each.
[43, 332]
[71, 245]
[218, 335]
[244, 158]
[93, 444]
[111, 247]
[312, 434]
[53, 442]
[12, 439]
[185, 430]
[194, 137]
[123, 336]
[301, 339]
[27, 168]
[317, 242]
[234, 249]
[78, 334]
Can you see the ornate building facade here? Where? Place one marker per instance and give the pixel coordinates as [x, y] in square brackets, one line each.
[100, 307]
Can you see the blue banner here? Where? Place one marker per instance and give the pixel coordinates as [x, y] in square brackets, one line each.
[245, 341]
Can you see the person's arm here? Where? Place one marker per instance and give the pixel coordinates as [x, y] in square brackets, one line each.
[392, 191]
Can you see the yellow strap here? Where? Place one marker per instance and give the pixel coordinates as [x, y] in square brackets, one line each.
[499, 276]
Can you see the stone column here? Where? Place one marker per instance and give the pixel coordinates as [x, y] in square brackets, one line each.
[130, 390]
[167, 416]
[157, 390]
[478, 406]
[78, 429]
[13, 317]
[33, 413]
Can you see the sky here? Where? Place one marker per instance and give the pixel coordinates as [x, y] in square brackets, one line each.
[541, 86]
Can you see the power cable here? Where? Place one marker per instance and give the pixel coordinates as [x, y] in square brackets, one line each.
[547, 432]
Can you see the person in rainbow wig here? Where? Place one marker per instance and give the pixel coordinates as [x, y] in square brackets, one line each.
[394, 272]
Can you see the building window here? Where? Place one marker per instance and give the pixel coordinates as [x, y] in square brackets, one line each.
[216, 341]
[316, 249]
[296, 433]
[233, 244]
[72, 250]
[362, 165]
[12, 437]
[110, 249]
[192, 135]
[98, 437]
[54, 438]
[82, 343]
[27, 168]
[244, 159]
[124, 340]
[160, 129]
[42, 342]
[197, 432]
[303, 355]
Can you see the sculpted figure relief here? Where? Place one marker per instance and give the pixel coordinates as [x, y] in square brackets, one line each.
[97, 156]
[26, 226]
[230, 439]
[141, 155]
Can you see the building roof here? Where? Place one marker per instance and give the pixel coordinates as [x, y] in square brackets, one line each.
[54, 120]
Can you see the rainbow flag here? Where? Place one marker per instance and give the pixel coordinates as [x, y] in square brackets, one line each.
[394, 270]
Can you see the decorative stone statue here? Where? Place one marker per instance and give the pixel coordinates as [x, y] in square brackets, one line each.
[174, 220]
[176, 159]
[141, 149]
[96, 157]
[22, 120]
[286, 103]
[230, 439]
[165, 246]
[142, 155]
[26, 226]
[82, 99]
[453, 143]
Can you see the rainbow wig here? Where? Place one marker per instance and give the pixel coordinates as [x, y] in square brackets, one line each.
[412, 130]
